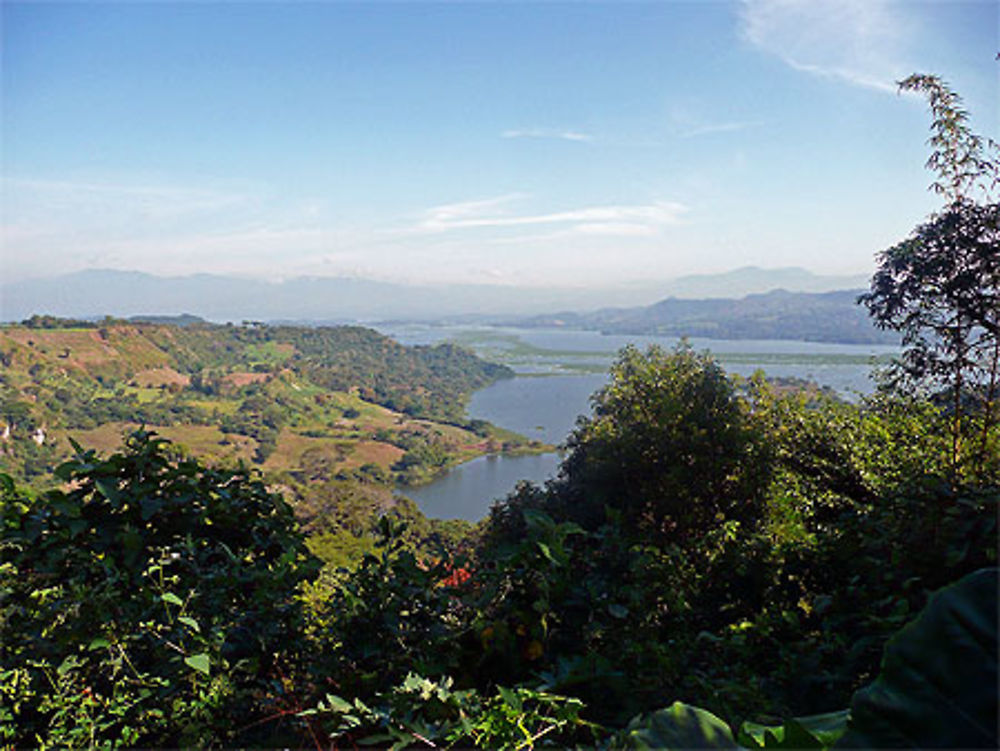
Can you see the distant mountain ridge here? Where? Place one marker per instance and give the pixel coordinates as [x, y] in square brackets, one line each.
[336, 299]
[779, 314]
[750, 280]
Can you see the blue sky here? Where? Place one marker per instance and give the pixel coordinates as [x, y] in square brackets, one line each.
[512, 143]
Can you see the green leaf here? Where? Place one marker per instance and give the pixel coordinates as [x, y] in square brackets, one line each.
[826, 728]
[199, 662]
[537, 520]
[66, 470]
[189, 622]
[172, 599]
[814, 731]
[68, 664]
[938, 684]
[65, 506]
[679, 726]
[98, 643]
[108, 490]
[336, 704]
[510, 698]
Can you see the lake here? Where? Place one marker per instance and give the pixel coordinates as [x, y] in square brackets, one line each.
[558, 370]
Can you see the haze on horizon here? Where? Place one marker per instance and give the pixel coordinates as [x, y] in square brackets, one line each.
[521, 144]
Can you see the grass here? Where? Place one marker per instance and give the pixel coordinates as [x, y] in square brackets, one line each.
[269, 353]
[203, 441]
[531, 360]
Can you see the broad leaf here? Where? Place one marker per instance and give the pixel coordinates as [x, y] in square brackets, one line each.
[938, 683]
[679, 726]
[189, 622]
[199, 662]
[814, 731]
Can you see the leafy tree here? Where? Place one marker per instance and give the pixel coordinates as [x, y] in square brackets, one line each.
[155, 595]
[670, 447]
[941, 287]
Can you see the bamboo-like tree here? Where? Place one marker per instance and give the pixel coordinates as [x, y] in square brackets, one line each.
[940, 288]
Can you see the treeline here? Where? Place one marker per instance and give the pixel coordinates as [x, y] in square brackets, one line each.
[421, 381]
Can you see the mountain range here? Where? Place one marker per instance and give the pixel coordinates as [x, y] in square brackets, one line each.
[97, 293]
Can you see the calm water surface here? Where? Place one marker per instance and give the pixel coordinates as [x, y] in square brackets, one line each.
[558, 372]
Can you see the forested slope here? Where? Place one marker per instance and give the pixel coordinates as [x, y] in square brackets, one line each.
[285, 398]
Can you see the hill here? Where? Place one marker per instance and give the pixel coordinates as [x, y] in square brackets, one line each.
[818, 317]
[302, 404]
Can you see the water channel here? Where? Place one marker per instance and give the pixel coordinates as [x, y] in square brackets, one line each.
[557, 372]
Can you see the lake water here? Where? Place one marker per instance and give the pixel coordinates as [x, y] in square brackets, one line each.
[558, 371]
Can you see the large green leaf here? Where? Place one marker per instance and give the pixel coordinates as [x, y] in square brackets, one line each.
[938, 684]
[199, 662]
[679, 726]
[814, 731]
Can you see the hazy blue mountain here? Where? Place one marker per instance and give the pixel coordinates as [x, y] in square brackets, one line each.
[750, 280]
[221, 298]
[807, 316]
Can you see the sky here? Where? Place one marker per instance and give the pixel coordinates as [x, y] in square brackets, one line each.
[524, 143]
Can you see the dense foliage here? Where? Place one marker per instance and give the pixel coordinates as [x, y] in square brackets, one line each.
[158, 602]
[149, 603]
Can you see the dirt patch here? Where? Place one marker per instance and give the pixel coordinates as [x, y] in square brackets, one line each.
[374, 452]
[238, 380]
[155, 377]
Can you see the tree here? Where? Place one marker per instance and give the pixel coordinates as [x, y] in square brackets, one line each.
[670, 447]
[941, 286]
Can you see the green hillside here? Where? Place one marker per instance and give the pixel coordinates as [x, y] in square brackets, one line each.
[300, 403]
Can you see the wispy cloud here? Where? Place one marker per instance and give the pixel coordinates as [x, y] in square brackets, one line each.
[633, 219]
[564, 135]
[862, 42]
[713, 128]
[449, 215]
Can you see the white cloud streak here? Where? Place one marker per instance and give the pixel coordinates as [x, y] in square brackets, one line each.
[564, 135]
[713, 128]
[637, 219]
[862, 42]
